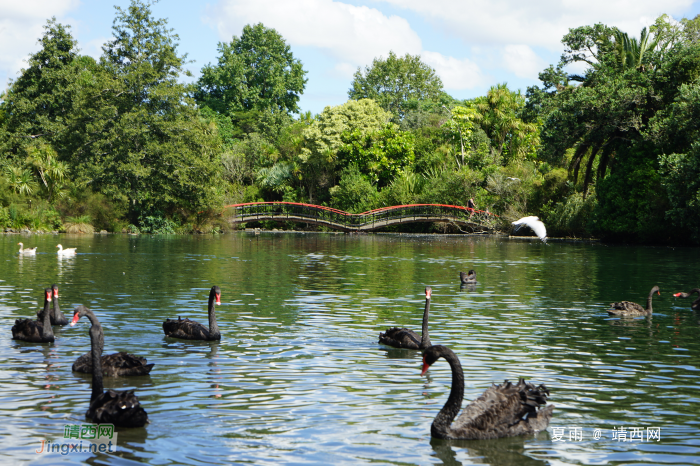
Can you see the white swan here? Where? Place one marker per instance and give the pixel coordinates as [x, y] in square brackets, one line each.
[535, 225]
[65, 252]
[26, 252]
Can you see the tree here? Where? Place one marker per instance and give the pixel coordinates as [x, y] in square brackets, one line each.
[323, 137]
[136, 135]
[394, 81]
[498, 113]
[380, 155]
[461, 123]
[38, 103]
[255, 72]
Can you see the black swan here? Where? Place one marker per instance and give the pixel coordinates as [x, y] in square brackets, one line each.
[405, 338]
[32, 330]
[113, 365]
[111, 407]
[467, 278]
[696, 304]
[191, 330]
[502, 410]
[57, 317]
[26, 252]
[627, 308]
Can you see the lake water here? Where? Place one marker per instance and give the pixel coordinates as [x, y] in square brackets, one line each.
[299, 377]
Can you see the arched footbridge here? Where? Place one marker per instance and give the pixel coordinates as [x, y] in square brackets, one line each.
[472, 219]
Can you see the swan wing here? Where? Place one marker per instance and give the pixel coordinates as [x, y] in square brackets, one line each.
[625, 307]
[499, 403]
[400, 338]
[534, 224]
[504, 410]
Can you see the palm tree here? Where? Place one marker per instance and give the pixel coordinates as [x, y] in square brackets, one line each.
[630, 52]
[598, 144]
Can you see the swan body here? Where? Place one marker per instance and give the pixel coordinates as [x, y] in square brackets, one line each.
[504, 410]
[405, 338]
[35, 331]
[695, 304]
[27, 251]
[56, 316]
[627, 308]
[534, 224]
[121, 408]
[66, 252]
[189, 329]
[114, 365]
[467, 278]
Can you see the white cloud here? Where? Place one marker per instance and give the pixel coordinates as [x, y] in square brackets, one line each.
[352, 35]
[522, 61]
[455, 74]
[21, 25]
[504, 22]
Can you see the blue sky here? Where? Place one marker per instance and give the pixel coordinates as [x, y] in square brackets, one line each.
[472, 44]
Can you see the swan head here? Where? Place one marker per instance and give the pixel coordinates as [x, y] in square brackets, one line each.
[431, 355]
[656, 289]
[428, 292]
[55, 290]
[216, 291]
[677, 295]
[78, 313]
[47, 294]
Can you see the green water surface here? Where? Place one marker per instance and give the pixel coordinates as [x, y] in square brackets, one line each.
[299, 378]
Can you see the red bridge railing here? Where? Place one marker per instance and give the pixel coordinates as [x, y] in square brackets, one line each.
[370, 220]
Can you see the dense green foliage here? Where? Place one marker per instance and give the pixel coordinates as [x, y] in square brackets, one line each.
[120, 143]
[394, 81]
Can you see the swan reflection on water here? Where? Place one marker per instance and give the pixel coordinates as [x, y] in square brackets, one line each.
[471, 287]
[399, 353]
[65, 264]
[495, 452]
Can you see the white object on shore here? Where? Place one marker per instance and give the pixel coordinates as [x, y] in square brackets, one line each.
[65, 252]
[535, 225]
[26, 252]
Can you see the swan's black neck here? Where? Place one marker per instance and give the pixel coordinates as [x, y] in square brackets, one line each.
[97, 343]
[425, 338]
[56, 309]
[47, 331]
[213, 327]
[442, 422]
[649, 310]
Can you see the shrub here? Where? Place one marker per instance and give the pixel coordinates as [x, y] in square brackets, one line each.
[79, 224]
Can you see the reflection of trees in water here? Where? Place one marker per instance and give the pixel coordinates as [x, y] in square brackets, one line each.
[496, 452]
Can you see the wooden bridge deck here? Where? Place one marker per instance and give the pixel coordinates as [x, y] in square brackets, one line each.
[476, 220]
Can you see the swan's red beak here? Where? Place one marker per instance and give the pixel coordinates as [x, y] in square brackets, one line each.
[218, 299]
[677, 295]
[55, 292]
[659, 293]
[48, 297]
[428, 292]
[76, 316]
[426, 366]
